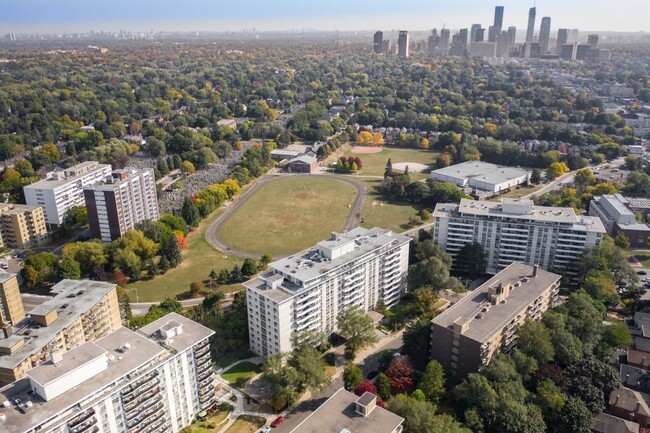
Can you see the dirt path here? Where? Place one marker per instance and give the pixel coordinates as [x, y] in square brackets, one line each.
[211, 233]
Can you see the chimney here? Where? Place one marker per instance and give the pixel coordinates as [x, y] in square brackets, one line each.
[7, 330]
[535, 269]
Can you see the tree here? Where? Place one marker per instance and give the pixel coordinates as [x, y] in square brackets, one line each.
[536, 176]
[432, 382]
[249, 267]
[573, 417]
[365, 386]
[190, 212]
[69, 268]
[549, 398]
[400, 374]
[622, 241]
[535, 340]
[556, 169]
[352, 376]
[383, 386]
[172, 252]
[416, 343]
[470, 260]
[419, 416]
[357, 328]
[187, 167]
[195, 288]
[388, 170]
[266, 259]
[584, 178]
[443, 160]
[616, 334]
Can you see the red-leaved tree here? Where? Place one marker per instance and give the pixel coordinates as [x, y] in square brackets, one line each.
[182, 241]
[365, 386]
[400, 373]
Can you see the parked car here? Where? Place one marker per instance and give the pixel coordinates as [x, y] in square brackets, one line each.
[265, 430]
[276, 422]
[642, 273]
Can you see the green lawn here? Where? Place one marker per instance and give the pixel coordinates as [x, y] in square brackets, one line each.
[199, 258]
[289, 214]
[243, 370]
[643, 256]
[375, 163]
[378, 211]
[247, 424]
[211, 424]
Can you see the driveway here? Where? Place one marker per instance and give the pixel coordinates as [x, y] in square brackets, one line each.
[211, 234]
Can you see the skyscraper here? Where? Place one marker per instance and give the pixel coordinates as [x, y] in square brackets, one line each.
[403, 44]
[472, 33]
[544, 34]
[575, 34]
[443, 44]
[480, 35]
[378, 41]
[498, 18]
[592, 41]
[512, 36]
[530, 31]
[562, 39]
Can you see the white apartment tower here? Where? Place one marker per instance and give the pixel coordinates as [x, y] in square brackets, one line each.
[63, 189]
[120, 201]
[155, 380]
[515, 230]
[308, 290]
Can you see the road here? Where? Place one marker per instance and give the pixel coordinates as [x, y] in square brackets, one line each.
[211, 234]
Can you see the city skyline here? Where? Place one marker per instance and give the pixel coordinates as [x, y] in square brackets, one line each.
[264, 15]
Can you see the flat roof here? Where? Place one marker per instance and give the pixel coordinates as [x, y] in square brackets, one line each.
[638, 202]
[72, 299]
[72, 359]
[120, 364]
[565, 215]
[52, 182]
[115, 183]
[499, 315]
[6, 276]
[481, 171]
[192, 331]
[339, 413]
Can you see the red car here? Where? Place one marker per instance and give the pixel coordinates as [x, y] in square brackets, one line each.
[279, 420]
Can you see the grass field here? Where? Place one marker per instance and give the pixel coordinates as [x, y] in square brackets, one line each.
[211, 424]
[199, 258]
[375, 163]
[289, 214]
[243, 370]
[247, 424]
[378, 211]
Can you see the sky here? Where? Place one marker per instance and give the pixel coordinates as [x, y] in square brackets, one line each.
[67, 16]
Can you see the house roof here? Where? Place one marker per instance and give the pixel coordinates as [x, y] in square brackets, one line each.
[605, 423]
[630, 400]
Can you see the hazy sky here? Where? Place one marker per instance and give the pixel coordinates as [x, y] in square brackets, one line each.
[83, 15]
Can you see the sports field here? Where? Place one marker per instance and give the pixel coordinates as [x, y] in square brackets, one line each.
[375, 163]
[289, 214]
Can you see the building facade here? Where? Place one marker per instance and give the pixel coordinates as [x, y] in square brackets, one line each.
[545, 34]
[403, 42]
[22, 226]
[482, 177]
[155, 380]
[308, 290]
[11, 304]
[378, 42]
[120, 201]
[484, 323]
[515, 230]
[63, 189]
[618, 218]
[79, 311]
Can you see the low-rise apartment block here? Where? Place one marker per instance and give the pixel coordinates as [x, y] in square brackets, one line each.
[515, 230]
[22, 226]
[308, 290]
[62, 189]
[484, 323]
[155, 380]
[80, 311]
[618, 218]
[120, 201]
[346, 412]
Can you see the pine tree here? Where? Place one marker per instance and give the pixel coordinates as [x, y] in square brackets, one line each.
[190, 213]
[388, 171]
[236, 274]
[173, 252]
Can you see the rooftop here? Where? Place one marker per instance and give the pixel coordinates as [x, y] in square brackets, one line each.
[630, 400]
[121, 363]
[485, 319]
[71, 360]
[605, 423]
[60, 177]
[72, 299]
[638, 202]
[481, 171]
[6, 276]
[339, 413]
[307, 159]
[191, 334]
[326, 256]
[522, 209]
[631, 376]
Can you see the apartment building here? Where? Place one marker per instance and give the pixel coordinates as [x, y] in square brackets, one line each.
[79, 311]
[120, 201]
[308, 290]
[62, 189]
[22, 226]
[617, 218]
[346, 412]
[484, 323]
[515, 230]
[155, 380]
[11, 305]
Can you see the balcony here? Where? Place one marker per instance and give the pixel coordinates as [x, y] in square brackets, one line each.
[81, 418]
[159, 426]
[142, 405]
[205, 382]
[84, 426]
[144, 416]
[201, 345]
[148, 421]
[201, 351]
[134, 405]
[139, 383]
[141, 390]
[200, 359]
